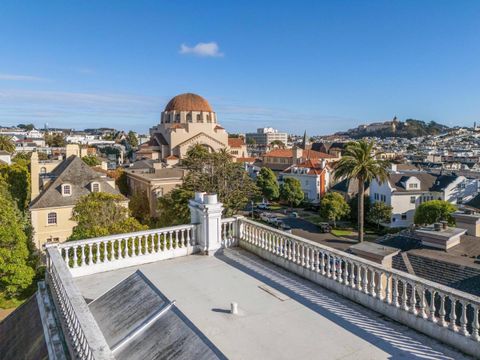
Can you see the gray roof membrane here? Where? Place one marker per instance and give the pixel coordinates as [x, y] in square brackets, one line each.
[139, 322]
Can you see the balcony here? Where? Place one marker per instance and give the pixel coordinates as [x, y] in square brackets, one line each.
[296, 298]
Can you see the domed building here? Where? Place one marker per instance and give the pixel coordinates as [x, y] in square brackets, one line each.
[188, 119]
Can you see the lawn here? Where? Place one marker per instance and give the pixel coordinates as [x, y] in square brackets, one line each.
[342, 232]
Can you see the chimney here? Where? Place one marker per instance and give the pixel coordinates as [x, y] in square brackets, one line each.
[72, 149]
[297, 154]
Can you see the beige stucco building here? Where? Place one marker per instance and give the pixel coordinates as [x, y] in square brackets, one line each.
[188, 119]
[56, 187]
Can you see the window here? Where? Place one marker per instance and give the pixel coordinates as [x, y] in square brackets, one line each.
[177, 118]
[158, 192]
[66, 189]
[404, 216]
[412, 199]
[199, 118]
[209, 118]
[189, 117]
[52, 218]
[43, 170]
[413, 186]
[95, 187]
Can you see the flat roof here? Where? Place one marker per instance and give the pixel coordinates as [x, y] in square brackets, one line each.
[281, 316]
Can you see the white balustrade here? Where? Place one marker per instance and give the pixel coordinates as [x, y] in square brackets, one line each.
[90, 256]
[229, 236]
[442, 312]
[83, 337]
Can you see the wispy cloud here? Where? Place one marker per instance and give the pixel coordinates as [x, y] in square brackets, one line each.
[210, 49]
[16, 77]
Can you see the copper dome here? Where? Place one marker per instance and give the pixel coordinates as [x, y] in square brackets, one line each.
[188, 102]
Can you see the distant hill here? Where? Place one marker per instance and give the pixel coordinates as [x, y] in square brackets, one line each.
[409, 128]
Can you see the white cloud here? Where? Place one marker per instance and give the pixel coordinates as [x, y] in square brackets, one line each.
[15, 77]
[210, 49]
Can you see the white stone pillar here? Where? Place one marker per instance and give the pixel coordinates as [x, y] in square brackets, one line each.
[206, 212]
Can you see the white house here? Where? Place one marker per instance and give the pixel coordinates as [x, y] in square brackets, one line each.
[404, 191]
[314, 176]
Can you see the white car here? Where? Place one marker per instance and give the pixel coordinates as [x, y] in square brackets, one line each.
[262, 206]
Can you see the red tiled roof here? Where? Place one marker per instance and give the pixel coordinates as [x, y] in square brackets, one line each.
[315, 167]
[308, 154]
[171, 157]
[235, 142]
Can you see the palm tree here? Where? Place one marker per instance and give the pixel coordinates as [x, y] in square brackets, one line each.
[359, 161]
[6, 144]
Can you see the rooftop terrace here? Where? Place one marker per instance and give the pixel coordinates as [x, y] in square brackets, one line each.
[296, 298]
[281, 316]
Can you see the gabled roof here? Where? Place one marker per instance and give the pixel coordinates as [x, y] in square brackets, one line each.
[427, 181]
[235, 142]
[314, 167]
[79, 175]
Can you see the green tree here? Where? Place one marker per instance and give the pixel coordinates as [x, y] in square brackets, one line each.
[26, 127]
[268, 184]
[139, 206]
[55, 140]
[434, 211]
[132, 139]
[379, 212]
[353, 203]
[17, 178]
[91, 160]
[6, 144]
[278, 143]
[120, 177]
[291, 192]
[101, 214]
[15, 272]
[359, 161]
[333, 207]
[173, 208]
[215, 172]
[251, 141]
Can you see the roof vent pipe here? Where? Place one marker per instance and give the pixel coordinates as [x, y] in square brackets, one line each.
[444, 224]
[234, 308]
[437, 226]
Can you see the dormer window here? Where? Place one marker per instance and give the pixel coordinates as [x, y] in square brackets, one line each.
[413, 186]
[66, 189]
[95, 187]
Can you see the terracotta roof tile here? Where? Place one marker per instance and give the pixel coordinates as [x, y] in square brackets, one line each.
[235, 142]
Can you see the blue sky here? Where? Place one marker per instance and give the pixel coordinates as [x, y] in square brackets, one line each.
[323, 66]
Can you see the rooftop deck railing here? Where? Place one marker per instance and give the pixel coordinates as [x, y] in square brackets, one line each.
[83, 337]
[439, 311]
[106, 253]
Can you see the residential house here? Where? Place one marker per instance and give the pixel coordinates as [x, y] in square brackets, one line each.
[281, 159]
[314, 177]
[56, 188]
[405, 191]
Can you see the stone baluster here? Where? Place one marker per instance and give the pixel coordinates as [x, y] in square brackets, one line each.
[388, 288]
[313, 259]
[432, 310]
[90, 254]
[352, 275]
[372, 283]
[475, 323]
[359, 277]
[365, 280]
[75, 257]
[317, 260]
[329, 266]
[188, 237]
[82, 253]
[463, 318]
[423, 303]
[112, 250]
[302, 259]
[404, 296]
[379, 288]
[442, 311]
[65, 254]
[170, 240]
[323, 263]
[345, 273]
[395, 292]
[453, 314]
[294, 253]
[97, 248]
[105, 252]
[413, 299]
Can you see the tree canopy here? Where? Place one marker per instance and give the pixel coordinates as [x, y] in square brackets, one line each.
[6, 144]
[132, 139]
[91, 160]
[333, 207]
[55, 140]
[212, 172]
[17, 178]
[16, 274]
[101, 214]
[379, 212]
[139, 206]
[291, 192]
[434, 211]
[268, 184]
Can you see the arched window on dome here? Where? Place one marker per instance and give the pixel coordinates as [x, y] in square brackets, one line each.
[177, 118]
[209, 118]
[189, 117]
[199, 117]
[171, 117]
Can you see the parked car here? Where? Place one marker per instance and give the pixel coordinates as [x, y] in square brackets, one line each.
[324, 227]
[294, 214]
[265, 217]
[272, 220]
[285, 227]
[262, 206]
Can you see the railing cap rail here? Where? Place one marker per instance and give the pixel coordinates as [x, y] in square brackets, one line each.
[94, 336]
[459, 295]
[123, 236]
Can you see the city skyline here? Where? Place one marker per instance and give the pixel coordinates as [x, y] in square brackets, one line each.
[327, 69]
